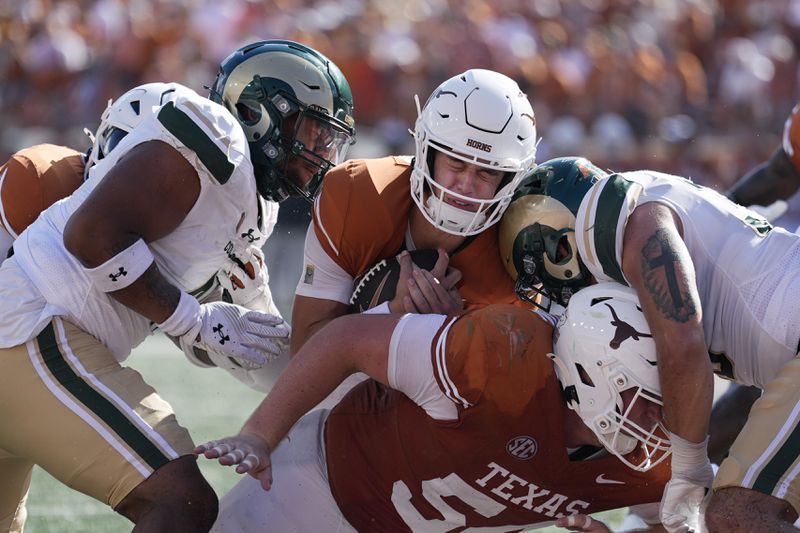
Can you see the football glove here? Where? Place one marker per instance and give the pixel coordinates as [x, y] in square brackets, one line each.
[691, 480]
[234, 336]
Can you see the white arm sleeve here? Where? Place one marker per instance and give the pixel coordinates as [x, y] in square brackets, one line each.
[411, 369]
[322, 278]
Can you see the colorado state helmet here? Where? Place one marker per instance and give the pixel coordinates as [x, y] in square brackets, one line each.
[537, 232]
[296, 109]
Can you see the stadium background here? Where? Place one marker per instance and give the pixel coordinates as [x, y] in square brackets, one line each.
[695, 87]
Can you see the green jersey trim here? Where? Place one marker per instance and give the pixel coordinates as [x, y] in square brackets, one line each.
[183, 128]
[610, 204]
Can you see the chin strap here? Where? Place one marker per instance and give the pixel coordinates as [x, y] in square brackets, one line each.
[450, 217]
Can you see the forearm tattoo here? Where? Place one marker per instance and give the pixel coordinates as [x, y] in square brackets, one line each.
[159, 289]
[660, 273]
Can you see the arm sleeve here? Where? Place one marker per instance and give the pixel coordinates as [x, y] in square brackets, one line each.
[411, 368]
[322, 278]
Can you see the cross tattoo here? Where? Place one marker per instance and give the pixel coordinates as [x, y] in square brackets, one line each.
[669, 292]
[666, 260]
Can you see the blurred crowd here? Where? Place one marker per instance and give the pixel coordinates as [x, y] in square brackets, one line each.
[696, 87]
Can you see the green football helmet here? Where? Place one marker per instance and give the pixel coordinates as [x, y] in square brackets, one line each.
[296, 109]
[537, 232]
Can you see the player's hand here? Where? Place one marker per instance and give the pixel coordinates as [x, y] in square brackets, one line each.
[250, 453]
[250, 338]
[421, 291]
[691, 480]
[681, 505]
[247, 281]
[582, 522]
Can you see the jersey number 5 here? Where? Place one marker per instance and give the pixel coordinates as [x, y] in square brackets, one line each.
[434, 490]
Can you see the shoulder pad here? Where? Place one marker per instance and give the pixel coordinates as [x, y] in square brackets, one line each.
[207, 129]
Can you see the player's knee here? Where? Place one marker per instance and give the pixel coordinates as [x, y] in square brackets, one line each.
[176, 495]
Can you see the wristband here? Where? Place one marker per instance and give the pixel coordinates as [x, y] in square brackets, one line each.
[185, 317]
[688, 457]
[122, 269]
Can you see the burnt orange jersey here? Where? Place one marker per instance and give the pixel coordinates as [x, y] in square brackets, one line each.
[34, 179]
[791, 137]
[362, 216]
[502, 462]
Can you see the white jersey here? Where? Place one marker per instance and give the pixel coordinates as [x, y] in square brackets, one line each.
[747, 273]
[43, 279]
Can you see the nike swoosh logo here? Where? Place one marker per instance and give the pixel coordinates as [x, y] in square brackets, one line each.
[603, 480]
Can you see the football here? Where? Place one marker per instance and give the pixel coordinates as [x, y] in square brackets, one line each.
[378, 283]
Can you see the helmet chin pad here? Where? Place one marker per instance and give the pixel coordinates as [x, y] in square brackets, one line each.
[450, 218]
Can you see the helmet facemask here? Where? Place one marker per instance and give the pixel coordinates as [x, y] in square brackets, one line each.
[317, 143]
[606, 364]
[482, 118]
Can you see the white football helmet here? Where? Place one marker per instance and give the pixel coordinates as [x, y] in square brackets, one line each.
[483, 118]
[603, 347]
[125, 113]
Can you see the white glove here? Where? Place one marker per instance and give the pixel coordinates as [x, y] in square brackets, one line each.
[247, 282]
[691, 480]
[230, 334]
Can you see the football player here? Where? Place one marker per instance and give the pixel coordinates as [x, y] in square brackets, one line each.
[719, 287]
[475, 140]
[772, 188]
[463, 427]
[159, 215]
[34, 178]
